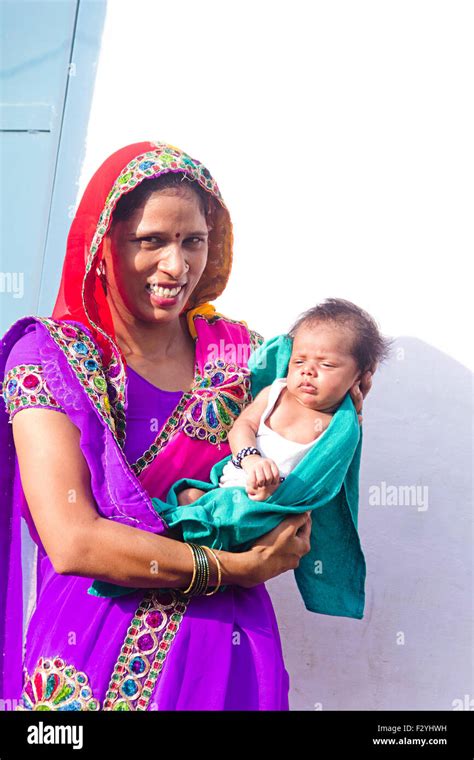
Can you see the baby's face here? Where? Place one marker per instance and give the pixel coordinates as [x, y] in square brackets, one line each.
[321, 369]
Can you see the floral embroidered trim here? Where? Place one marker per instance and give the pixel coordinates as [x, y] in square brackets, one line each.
[218, 397]
[144, 651]
[24, 386]
[116, 378]
[256, 340]
[54, 685]
[163, 437]
[85, 360]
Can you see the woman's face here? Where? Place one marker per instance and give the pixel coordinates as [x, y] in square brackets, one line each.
[155, 258]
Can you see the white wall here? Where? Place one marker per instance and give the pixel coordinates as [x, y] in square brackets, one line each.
[341, 136]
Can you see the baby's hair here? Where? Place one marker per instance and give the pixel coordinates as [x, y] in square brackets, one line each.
[178, 181]
[369, 346]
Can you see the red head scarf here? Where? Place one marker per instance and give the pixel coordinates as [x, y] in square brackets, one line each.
[81, 296]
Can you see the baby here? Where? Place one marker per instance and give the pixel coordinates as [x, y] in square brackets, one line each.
[334, 344]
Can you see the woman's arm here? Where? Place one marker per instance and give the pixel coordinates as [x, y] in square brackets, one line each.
[78, 541]
[56, 482]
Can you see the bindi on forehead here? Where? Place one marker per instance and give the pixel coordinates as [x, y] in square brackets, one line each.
[178, 234]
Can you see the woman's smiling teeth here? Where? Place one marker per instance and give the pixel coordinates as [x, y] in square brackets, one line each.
[157, 290]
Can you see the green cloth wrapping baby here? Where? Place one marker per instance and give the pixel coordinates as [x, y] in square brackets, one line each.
[331, 577]
[303, 414]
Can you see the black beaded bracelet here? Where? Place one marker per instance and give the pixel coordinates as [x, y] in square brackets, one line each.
[201, 572]
[237, 460]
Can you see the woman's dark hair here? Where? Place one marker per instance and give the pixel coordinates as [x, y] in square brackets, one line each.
[368, 348]
[135, 198]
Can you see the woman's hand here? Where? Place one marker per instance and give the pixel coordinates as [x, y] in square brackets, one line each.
[360, 390]
[278, 550]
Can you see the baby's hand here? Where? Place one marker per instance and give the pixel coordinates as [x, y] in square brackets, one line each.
[261, 473]
[261, 493]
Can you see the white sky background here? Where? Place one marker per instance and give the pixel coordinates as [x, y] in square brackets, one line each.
[340, 134]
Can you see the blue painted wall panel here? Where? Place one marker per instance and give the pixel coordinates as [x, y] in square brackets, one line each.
[36, 45]
[43, 123]
[26, 160]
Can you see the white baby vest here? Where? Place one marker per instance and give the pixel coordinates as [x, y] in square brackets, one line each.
[285, 453]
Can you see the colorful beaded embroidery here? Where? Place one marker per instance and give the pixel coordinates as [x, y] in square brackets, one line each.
[219, 396]
[256, 340]
[144, 651]
[84, 358]
[57, 686]
[24, 386]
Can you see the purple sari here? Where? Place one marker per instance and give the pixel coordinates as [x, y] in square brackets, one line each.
[152, 649]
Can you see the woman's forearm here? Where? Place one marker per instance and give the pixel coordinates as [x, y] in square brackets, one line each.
[116, 553]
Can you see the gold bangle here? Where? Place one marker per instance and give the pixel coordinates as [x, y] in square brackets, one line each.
[219, 573]
[186, 591]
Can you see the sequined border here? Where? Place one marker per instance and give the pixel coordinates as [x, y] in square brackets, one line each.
[219, 396]
[256, 340]
[24, 386]
[144, 651]
[55, 685]
[85, 360]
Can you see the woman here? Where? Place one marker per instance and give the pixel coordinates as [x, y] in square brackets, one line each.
[148, 379]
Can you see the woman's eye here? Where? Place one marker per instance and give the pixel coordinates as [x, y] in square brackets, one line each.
[150, 241]
[153, 241]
